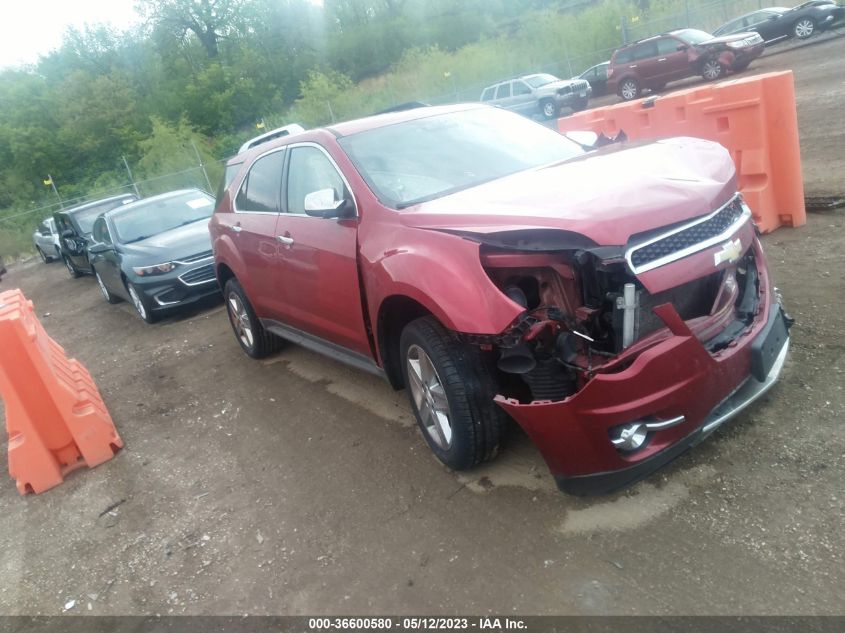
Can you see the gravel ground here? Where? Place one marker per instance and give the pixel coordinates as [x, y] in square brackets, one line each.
[296, 485]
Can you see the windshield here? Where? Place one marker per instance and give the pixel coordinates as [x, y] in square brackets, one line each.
[535, 81]
[85, 217]
[151, 217]
[693, 36]
[426, 158]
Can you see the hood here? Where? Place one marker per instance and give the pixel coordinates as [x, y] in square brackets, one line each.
[560, 83]
[607, 195]
[734, 37]
[178, 243]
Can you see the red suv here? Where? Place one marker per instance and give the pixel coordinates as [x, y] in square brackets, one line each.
[484, 262]
[654, 62]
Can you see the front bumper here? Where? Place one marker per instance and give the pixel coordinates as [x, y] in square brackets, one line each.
[184, 286]
[675, 378]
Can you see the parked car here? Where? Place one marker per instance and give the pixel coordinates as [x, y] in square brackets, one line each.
[596, 76]
[467, 254]
[778, 23]
[156, 253]
[540, 93]
[74, 226]
[46, 240]
[279, 132]
[653, 62]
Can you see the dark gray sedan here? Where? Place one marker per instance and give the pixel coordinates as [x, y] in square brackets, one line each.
[778, 23]
[156, 253]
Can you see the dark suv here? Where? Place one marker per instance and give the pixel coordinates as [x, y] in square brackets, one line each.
[74, 226]
[465, 253]
[654, 62]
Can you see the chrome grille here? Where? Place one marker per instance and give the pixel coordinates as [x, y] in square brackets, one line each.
[200, 275]
[689, 238]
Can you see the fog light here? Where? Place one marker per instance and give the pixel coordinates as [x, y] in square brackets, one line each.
[629, 437]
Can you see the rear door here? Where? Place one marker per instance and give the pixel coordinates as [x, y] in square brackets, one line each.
[253, 230]
[646, 64]
[319, 281]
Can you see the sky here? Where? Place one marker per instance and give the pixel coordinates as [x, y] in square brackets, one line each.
[30, 28]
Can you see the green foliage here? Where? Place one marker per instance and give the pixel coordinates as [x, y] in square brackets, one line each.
[205, 73]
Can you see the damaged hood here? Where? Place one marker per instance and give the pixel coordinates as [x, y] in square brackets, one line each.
[607, 195]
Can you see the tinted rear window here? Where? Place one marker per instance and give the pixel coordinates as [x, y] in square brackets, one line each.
[85, 217]
[623, 57]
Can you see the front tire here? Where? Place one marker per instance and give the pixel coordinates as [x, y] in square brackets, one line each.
[141, 303]
[712, 69]
[451, 390]
[549, 109]
[107, 295]
[804, 28]
[629, 89]
[75, 274]
[254, 340]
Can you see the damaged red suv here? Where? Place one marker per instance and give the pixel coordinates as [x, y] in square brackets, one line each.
[614, 302]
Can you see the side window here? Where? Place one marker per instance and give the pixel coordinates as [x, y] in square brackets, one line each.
[520, 88]
[756, 18]
[503, 91]
[645, 50]
[310, 170]
[261, 189]
[624, 57]
[601, 72]
[487, 95]
[667, 46]
[44, 228]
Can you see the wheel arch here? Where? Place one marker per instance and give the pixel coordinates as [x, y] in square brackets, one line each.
[396, 312]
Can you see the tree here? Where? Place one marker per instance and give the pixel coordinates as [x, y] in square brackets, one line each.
[208, 20]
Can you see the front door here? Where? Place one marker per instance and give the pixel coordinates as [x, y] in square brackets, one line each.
[319, 278]
[672, 63]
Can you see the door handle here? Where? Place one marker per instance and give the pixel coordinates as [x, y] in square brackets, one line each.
[632, 66]
[284, 239]
[237, 228]
[662, 59]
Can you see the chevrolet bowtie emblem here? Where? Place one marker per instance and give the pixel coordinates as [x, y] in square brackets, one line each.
[730, 252]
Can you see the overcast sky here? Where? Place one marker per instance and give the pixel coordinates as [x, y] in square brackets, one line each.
[29, 28]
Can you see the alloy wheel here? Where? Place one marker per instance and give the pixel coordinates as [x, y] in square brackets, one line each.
[240, 320]
[429, 397]
[629, 90]
[136, 301]
[548, 109]
[804, 28]
[712, 69]
[103, 288]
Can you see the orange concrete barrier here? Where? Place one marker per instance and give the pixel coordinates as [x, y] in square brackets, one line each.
[753, 117]
[55, 416]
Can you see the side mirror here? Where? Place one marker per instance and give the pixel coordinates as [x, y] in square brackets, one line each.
[584, 138]
[67, 233]
[774, 16]
[682, 47]
[322, 204]
[99, 247]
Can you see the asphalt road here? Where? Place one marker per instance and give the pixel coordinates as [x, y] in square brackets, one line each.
[296, 485]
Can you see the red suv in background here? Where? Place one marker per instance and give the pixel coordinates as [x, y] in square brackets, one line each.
[654, 62]
[482, 262]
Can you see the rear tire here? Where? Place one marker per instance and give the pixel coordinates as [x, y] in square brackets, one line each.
[75, 274]
[451, 388]
[804, 28]
[629, 89]
[254, 340]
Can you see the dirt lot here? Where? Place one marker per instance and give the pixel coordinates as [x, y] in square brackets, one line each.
[296, 485]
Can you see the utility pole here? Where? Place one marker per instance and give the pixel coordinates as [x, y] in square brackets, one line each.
[55, 191]
[202, 166]
[131, 179]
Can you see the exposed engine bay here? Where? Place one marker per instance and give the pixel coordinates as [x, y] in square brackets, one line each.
[586, 313]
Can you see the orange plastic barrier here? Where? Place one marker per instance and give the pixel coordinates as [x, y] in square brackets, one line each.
[753, 117]
[55, 416]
